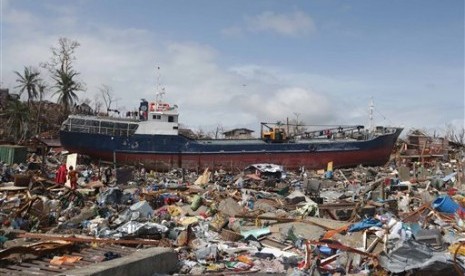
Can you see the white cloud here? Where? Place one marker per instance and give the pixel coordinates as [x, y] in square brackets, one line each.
[126, 60]
[64, 9]
[277, 105]
[18, 21]
[291, 24]
[233, 31]
[207, 91]
[254, 72]
[207, 94]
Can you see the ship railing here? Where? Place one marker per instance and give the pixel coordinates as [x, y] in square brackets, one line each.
[83, 124]
[101, 130]
[331, 132]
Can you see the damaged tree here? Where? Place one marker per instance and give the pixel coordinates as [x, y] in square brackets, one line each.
[64, 75]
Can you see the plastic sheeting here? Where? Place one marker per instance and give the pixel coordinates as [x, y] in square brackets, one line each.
[110, 196]
[413, 255]
[143, 210]
[137, 228]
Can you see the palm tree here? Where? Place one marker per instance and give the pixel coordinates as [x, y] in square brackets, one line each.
[66, 87]
[42, 86]
[17, 114]
[28, 82]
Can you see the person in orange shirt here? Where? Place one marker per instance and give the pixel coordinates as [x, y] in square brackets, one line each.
[73, 177]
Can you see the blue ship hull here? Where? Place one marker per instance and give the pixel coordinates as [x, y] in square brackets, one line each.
[162, 152]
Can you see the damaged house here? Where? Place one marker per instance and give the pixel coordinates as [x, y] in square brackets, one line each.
[238, 133]
[420, 147]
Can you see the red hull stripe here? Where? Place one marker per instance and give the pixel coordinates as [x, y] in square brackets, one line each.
[310, 160]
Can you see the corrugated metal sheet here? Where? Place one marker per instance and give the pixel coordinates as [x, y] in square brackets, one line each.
[12, 154]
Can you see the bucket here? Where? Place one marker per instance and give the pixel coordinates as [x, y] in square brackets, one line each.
[445, 204]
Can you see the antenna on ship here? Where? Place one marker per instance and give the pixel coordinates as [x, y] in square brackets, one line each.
[160, 90]
[372, 107]
[159, 95]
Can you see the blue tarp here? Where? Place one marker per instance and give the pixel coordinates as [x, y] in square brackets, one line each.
[365, 224]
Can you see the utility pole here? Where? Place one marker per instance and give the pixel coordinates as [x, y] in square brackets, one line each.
[296, 127]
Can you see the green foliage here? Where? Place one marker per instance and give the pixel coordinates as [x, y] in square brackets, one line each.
[23, 120]
[66, 87]
[17, 114]
[29, 82]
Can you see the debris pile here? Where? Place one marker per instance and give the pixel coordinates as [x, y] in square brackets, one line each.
[391, 219]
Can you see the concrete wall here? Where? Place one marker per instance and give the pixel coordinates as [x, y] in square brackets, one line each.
[144, 262]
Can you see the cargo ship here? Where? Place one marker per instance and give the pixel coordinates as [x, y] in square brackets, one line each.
[151, 137]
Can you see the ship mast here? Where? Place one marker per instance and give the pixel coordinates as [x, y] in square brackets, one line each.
[159, 95]
[372, 107]
[160, 90]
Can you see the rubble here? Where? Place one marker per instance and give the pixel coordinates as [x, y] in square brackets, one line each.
[400, 218]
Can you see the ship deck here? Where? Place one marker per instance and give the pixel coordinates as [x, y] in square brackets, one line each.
[260, 141]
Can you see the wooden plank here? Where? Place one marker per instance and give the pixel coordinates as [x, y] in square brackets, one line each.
[96, 250]
[92, 252]
[87, 239]
[33, 270]
[14, 267]
[48, 265]
[5, 271]
[43, 267]
[267, 242]
[102, 251]
[13, 188]
[120, 249]
[117, 249]
[85, 260]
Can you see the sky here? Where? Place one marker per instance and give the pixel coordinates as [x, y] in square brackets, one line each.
[234, 64]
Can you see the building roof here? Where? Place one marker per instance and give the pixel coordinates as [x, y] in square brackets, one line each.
[236, 129]
[53, 143]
